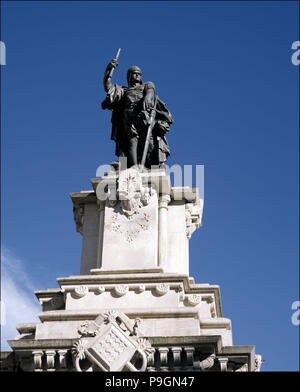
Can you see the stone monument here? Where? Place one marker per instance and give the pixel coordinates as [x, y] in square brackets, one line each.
[134, 306]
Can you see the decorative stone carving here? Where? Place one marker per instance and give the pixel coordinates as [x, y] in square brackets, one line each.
[111, 346]
[258, 362]
[100, 289]
[192, 218]
[162, 289]
[131, 192]
[213, 311]
[208, 299]
[111, 316]
[193, 299]
[208, 362]
[129, 217]
[112, 349]
[79, 348]
[78, 212]
[141, 288]
[129, 226]
[81, 291]
[121, 290]
[145, 346]
[136, 325]
[88, 328]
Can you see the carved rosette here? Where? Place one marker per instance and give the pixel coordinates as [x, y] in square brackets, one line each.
[145, 345]
[81, 291]
[100, 289]
[121, 290]
[193, 299]
[79, 348]
[110, 316]
[162, 289]
[141, 288]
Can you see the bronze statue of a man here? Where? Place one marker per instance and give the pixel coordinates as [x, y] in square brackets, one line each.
[131, 107]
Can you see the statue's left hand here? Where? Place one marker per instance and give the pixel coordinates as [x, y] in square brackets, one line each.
[148, 102]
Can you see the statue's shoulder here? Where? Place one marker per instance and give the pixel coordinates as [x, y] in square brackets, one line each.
[149, 85]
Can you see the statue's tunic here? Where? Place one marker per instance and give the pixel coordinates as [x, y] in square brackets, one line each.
[130, 120]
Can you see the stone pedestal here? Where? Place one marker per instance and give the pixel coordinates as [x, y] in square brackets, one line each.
[153, 236]
[134, 296]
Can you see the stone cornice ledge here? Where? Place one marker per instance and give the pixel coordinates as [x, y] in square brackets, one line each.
[189, 287]
[188, 283]
[67, 315]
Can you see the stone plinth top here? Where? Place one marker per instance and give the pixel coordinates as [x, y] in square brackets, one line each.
[135, 221]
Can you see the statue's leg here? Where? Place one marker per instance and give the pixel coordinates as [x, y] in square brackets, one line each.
[132, 151]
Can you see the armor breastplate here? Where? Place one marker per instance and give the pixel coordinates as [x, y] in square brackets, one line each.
[132, 96]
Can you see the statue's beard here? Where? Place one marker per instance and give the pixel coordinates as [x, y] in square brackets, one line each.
[132, 83]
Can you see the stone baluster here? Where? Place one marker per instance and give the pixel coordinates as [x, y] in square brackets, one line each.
[151, 361]
[50, 360]
[37, 360]
[223, 364]
[163, 353]
[177, 357]
[189, 357]
[62, 355]
[163, 202]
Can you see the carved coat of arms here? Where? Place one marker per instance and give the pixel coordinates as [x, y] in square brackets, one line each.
[111, 345]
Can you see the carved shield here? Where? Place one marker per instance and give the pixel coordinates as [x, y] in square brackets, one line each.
[112, 350]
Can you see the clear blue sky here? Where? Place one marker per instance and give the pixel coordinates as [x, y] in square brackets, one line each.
[225, 72]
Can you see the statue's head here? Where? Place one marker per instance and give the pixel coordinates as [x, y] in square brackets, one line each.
[134, 75]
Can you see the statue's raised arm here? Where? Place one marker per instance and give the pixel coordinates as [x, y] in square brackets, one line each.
[112, 65]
